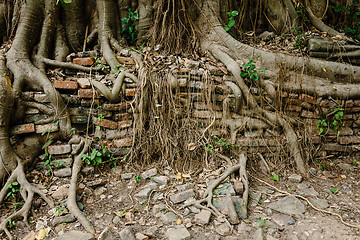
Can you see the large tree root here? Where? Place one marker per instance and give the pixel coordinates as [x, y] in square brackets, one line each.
[208, 194]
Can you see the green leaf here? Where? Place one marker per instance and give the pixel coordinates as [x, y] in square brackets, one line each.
[15, 183]
[67, 1]
[334, 190]
[231, 22]
[275, 177]
[234, 13]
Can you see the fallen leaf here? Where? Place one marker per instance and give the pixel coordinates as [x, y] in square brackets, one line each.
[42, 233]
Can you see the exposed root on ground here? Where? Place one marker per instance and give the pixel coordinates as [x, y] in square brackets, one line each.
[208, 194]
[307, 200]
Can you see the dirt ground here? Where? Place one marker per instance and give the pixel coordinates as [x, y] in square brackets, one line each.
[109, 200]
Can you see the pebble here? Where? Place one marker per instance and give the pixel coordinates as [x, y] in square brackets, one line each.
[140, 236]
[127, 176]
[99, 191]
[295, 178]
[203, 217]
[283, 220]
[182, 196]
[127, 234]
[75, 235]
[163, 180]
[168, 218]
[106, 234]
[149, 173]
[63, 172]
[319, 203]
[60, 193]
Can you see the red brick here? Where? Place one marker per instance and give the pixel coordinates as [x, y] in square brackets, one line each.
[51, 127]
[23, 128]
[88, 61]
[88, 93]
[125, 124]
[130, 92]
[293, 108]
[308, 98]
[126, 60]
[123, 116]
[117, 106]
[350, 140]
[105, 123]
[66, 85]
[125, 142]
[59, 149]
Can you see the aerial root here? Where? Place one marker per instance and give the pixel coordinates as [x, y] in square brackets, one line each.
[27, 191]
[208, 194]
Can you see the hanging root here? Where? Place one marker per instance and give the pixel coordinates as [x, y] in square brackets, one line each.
[208, 194]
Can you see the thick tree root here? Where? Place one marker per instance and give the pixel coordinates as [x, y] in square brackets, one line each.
[208, 194]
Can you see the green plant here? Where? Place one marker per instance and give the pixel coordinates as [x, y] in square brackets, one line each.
[300, 38]
[231, 21]
[63, 3]
[13, 187]
[137, 179]
[96, 156]
[323, 124]
[122, 213]
[218, 143]
[11, 223]
[249, 72]
[275, 177]
[291, 188]
[58, 210]
[128, 27]
[334, 190]
[73, 130]
[352, 11]
[48, 162]
[17, 204]
[261, 221]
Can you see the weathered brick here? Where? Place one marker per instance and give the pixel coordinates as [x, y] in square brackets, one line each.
[130, 92]
[308, 98]
[126, 60]
[71, 85]
[23, 128]
[206, 114]
[336, 148]
[182, 82]
[124, 124]
[113, 134]
[349, 104]
[78, 111]
[357, 103]
[31, 111]
[34, 118]
[90, 102]
[83, 82]
[116, 107]
[353, 110]
[59, 149]
[41, 97]
[308, 114]
[293, 108]
[71, 99]
[324, 103]
[306, 105]
[293, 95]
[196, 97]
[105, 123]
[125, 142]
[87, 61]
[350, 140]
[51, 127]
[88, 93]
[292, 101]
[123, 116]
[79, 119]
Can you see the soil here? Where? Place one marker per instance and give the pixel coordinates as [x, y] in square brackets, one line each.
[106, 198]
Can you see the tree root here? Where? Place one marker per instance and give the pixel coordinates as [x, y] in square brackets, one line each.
[27, 192]
[208, 194]
[310, 204]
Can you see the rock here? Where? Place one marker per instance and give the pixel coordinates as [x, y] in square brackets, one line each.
[125, 52]
[168, 218]
[183, 187]
[238, 187]
[106, 234]
[243, 228]
[313, 170]
[116, 220]
[346, 167]
[127, 234]
[100, 190]
[30, 236]
[267, 36]
[63, 172]
[182, 196]
[178, 233]
[254, 198]
[309, 192]
[83, 82]
[163, 180]
[203, 217]
[223, 229]
[151, 231]
[127, 176]
[140, 236]
[145, 192]
[158, 208]
[295, 178]
[149, 173]
[283, 220]
[87, 170]
[319, 203]
[60, 193]
[75, 235]
[224, 189]
[259, 234]
[288, 205]
[68, 218]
